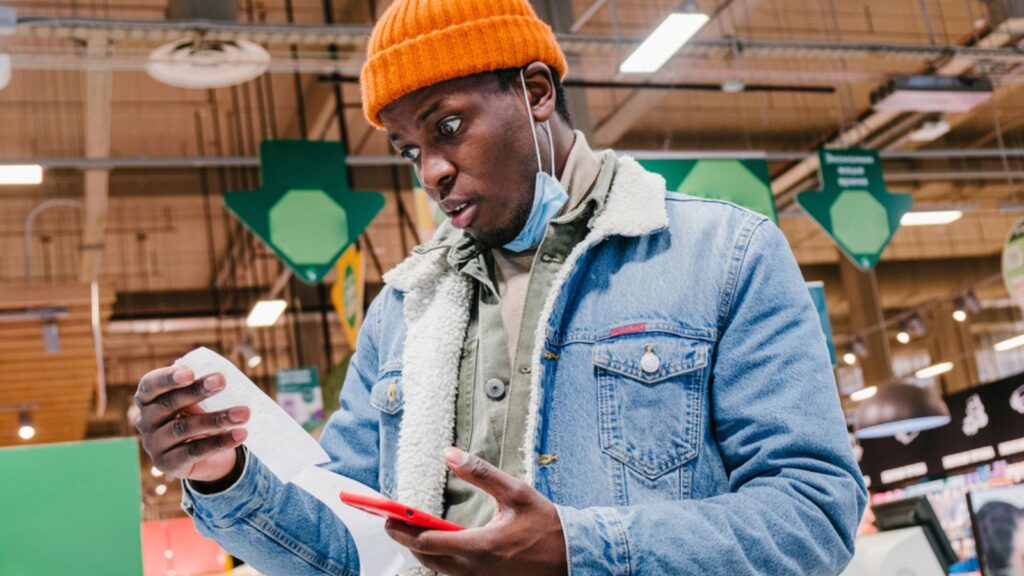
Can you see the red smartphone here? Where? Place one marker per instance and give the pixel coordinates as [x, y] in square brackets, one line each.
[380, 506]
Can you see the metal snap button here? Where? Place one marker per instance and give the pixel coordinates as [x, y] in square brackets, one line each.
[548, 257]
[650, 362]
[494, 388]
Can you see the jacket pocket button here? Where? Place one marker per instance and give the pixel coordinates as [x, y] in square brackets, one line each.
[650, 363]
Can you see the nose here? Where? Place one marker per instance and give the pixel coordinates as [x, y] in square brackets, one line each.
[438, 175]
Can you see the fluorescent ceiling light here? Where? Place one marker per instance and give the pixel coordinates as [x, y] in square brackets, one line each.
[931, 371]
[1015, 342]
[930, 131]
[864, 393]
[934, 218]
[265, 313]
[664, 42]
[25, 174]
[932, 94]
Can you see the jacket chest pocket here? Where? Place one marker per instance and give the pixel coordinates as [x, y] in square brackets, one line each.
[649, 389]
[386, 397]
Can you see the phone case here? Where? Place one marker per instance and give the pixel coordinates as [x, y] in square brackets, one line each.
[380, 506]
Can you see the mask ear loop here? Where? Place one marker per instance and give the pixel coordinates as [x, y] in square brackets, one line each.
[533, 130]
[551, 146]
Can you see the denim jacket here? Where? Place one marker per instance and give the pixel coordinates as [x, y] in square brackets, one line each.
[683, 414]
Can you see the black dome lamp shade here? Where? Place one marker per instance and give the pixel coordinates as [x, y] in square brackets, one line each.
[900, 408]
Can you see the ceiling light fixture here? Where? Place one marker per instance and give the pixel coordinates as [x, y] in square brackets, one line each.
[1009, 344]
[266, 313]
[733, 86]
[26, 431]
[859, 347]
[850, 358]
[903, 337]
[965, 304]
[864, 393]
[914, 326]
[933, 218]
[665, 41]
[21, 174]
[207, 64]
[900, 408]
[932, 94]
[934, 370]
[249, 354]
[930, 131]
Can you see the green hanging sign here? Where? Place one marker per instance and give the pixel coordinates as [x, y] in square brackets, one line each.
[305, 211]
[742, 182]
[854, 207]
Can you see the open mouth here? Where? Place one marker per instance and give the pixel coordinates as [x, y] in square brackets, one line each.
[463, 214]
[458, 209]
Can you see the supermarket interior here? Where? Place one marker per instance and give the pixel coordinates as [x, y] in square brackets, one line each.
[184, 174]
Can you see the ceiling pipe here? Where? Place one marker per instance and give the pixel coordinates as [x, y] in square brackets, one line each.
[355, 36]
[197, 162]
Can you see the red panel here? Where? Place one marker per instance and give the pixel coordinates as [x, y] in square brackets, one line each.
[191, 554]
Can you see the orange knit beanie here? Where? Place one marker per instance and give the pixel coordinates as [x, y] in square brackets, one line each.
[419, 43]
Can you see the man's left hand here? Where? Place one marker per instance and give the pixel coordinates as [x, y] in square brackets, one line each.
[524, 537]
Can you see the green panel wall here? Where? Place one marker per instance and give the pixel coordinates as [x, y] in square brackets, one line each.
[71, 509]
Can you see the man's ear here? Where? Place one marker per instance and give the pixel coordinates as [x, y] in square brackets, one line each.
[540, 86]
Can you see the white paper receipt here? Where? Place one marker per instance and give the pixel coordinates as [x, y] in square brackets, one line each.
[274, 437]
[287, 450]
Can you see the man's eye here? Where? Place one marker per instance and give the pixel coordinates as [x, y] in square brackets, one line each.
[450, 127]
[411, 154]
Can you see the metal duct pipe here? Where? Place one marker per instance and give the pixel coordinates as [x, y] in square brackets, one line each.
[196, 162]
[355, 35]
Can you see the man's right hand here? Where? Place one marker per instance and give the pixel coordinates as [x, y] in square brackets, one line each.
[182, 439]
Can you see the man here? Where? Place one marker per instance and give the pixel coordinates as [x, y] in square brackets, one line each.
[595, 376]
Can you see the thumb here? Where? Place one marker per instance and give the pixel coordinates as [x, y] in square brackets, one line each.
[506, 489]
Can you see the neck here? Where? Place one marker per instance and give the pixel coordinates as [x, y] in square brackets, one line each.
[564, 138]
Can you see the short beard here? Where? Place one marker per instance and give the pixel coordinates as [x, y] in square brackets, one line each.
[502, 236]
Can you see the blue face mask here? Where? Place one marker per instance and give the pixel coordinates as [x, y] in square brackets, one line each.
[548, 195]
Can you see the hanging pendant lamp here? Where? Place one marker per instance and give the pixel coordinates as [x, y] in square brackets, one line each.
[900, 408]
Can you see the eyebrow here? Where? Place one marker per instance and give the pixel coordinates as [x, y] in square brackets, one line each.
[426, 113]
[422, 117]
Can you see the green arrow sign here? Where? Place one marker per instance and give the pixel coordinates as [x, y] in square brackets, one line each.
[742, 182]
[306, 212]
[854, 207]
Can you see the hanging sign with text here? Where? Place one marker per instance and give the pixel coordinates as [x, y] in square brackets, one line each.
[854, 207]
